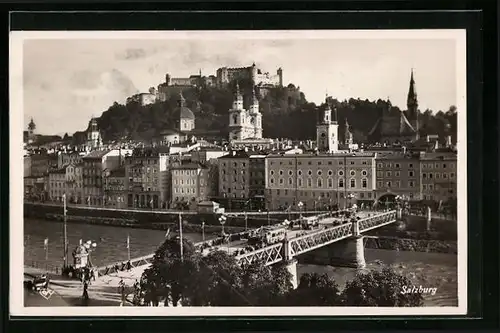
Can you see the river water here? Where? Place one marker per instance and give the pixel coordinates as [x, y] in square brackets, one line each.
[426, 269]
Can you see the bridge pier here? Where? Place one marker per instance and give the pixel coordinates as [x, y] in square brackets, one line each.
[349, 253]
[291, 266]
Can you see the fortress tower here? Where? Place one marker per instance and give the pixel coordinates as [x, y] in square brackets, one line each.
[327, 130]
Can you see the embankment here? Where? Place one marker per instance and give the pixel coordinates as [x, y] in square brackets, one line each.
[149, 219]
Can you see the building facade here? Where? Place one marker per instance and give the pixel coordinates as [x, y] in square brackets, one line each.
[398, 174]
[114, 187]
[190, 185]
[74, 182]
[146, 178]
[438, 176]
[94, 164]
[65, 158]
[57, 184]
[320, 180]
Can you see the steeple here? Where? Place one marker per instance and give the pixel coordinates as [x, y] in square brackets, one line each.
[238, 98]
[412, 101]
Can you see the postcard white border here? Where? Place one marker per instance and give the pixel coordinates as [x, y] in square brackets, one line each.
[16, 174]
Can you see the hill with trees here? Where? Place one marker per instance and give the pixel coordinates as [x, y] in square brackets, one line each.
[286, 114]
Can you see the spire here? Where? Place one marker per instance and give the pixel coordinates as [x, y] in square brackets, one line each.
[412, 93]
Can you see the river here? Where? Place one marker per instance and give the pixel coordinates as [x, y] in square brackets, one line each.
[426, 269]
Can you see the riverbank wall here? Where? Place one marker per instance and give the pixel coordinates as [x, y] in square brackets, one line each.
[153, 219]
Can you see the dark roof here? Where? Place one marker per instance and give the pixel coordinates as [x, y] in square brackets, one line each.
[183, 113]
[119, 172]
[236, 154]
[189, 166]
[439, 156]
[392, 126]
[97, 153]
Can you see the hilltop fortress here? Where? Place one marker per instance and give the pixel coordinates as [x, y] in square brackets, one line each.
[224, 75]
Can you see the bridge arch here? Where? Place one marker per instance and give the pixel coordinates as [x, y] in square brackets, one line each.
[387, 196]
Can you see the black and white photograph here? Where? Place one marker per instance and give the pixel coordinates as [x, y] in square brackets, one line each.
[214, 173]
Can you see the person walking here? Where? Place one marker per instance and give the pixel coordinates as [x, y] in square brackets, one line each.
[122, 292]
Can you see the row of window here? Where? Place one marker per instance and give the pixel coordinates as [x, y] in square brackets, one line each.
[321, 162]
[319, 182]
[390, 165]
[438, 165]
[319, 172]
[380, 174]
[185, 172]
[183, 190]
[188, 182]
[396, 184]
[438, 175]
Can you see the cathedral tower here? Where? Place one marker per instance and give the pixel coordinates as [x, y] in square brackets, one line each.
[348, 140]
[412, 105]
[327, 130]
[238, 127]
[255, 116]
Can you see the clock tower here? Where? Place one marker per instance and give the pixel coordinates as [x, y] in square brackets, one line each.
[327, 130]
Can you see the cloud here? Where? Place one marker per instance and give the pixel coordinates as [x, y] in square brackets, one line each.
[132, 54]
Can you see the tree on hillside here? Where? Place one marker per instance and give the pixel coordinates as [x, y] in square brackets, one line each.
[315, 290]
[380, 288]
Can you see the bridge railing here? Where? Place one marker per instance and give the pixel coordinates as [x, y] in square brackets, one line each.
[318, 239]
[269, 255]
[376, 221]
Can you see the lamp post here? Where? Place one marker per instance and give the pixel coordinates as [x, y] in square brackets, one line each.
[90, 246]
[203, 230]
[222, 221]
[300, 205]
[180, 237]
[65, 234]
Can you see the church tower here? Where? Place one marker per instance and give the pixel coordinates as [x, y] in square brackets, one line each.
[412, 105]
[93, 134]
[255, 116]
[327, 130]
[31, 128]
[237, 119]
[348, 139]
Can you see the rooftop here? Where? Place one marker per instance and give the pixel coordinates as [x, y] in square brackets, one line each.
[189, 166]
[97, 154]
[323, 155]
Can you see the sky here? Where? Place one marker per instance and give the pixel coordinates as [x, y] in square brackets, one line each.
[68, 80]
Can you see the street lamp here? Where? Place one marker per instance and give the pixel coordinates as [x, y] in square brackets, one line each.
[222, 221]
[300, 205]
[90, 246]
[350, 196]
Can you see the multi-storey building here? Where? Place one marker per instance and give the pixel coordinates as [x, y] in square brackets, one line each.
[64, 158]
[190, 184]
[57, 184]
[39, 164]
[74, 182]
[327, 130]
[114, 187]
[241, 174]
[319, 180]
[146, 179]
[398, 173]
[94, 164]
[438, 174]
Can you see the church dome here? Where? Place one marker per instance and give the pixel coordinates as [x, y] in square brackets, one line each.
[183, 112]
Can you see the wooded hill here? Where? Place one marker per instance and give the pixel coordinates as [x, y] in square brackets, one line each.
[286, 114]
